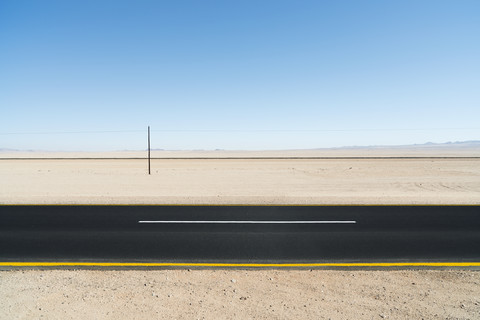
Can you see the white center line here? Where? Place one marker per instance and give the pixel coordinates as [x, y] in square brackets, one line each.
[251, 222]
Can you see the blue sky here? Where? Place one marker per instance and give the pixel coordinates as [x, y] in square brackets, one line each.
[237, 74]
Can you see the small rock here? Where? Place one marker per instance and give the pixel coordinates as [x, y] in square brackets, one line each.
[234, 281]
[243, 298]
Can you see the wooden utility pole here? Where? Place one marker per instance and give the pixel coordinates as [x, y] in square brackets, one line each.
[148, 149]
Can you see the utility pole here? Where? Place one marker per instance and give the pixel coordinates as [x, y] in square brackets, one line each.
[148, 149]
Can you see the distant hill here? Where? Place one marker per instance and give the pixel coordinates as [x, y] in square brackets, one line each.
[456, 144]
[470, 143]
[474, 144]
[16, 150]
[8, 150]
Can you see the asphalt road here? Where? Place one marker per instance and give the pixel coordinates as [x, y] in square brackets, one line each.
[240, 234]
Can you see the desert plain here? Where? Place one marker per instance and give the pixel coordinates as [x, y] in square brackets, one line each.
[343, 176]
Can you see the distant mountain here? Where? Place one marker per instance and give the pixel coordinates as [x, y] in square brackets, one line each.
[427, 145]
[462, 144]
[18, 150]
[8, 150]
[470, 143]
[449, 144]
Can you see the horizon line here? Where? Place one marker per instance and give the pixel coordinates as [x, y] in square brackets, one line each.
[476, 143]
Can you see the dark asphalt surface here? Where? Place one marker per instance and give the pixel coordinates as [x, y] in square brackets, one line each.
[113, 233]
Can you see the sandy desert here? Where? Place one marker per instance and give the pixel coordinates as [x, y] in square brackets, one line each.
[397, 176]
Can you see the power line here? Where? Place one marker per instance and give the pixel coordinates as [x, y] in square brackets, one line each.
[235, 131]
[69, 132]
[314, 130]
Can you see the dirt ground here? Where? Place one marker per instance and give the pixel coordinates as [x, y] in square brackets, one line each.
[233, 293]
[241, 181]
[239, 294]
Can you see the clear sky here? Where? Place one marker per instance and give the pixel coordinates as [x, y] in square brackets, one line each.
[237, 74]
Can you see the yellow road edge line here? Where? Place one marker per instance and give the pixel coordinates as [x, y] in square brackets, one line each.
[233, 205]
[241, 265]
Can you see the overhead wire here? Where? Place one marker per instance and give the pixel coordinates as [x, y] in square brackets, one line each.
[233, 130]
